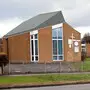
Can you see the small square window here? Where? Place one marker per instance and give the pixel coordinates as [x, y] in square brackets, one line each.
[31, 36]
[54, 34]
[60, 57]
[54, 57]
[32, 58]
[36, 58]
[36, 36]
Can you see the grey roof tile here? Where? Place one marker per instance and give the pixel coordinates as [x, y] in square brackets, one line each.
[39, 21]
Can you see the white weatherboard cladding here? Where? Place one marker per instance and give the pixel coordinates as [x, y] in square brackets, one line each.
[57, 25]
[33, 32]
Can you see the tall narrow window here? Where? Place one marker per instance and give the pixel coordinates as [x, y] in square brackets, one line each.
[34, 47]
[57, 43]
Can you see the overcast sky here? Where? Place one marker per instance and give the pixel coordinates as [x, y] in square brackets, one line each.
[13, 12]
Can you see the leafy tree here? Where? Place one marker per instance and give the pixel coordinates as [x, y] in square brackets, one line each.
[86, 38]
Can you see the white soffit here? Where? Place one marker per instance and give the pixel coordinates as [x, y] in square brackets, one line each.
[57, 25]
[33, 32]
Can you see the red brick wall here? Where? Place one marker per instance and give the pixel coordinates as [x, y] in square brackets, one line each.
[69, 54]
[45, 44]
[19, 48]
[88, 50]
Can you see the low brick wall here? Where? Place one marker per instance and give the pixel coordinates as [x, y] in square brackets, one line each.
[42, 68]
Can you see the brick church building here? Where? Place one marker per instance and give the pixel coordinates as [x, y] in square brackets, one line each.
[44, 38]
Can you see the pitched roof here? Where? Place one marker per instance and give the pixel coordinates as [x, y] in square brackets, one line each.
[39, 21]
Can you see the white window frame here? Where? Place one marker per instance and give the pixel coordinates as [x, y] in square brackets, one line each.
[55, 27]
[33, 33]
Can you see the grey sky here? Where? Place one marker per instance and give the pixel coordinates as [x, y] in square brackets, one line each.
[13, 12]
[26, 8]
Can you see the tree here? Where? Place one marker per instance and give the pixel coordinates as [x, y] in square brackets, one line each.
[3, 61]
[86, 38]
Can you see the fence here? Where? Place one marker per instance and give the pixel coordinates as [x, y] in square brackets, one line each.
[56, 67]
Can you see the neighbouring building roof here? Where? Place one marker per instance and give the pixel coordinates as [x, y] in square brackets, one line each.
[39, 21]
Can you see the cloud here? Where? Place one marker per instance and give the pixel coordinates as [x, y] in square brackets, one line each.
[7, 25]
[26, 8]
[83, 30]
[76, 12]
[23, 8]
[78, 17]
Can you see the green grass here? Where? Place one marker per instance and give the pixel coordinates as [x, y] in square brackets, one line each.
[87, 59]
[48, 77]
[43, 78]
[86, 65]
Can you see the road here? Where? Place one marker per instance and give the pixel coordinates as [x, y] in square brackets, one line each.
[67, 87]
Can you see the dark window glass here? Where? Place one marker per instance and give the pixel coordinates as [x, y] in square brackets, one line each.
[54, 57]
[83, 46]
[36, 47]
[32, 48]
[54, 47]
[59, 33]
[59, 47]
[31, 36]
[35, 36]
[54, 34]
[32, 58]
[36, 58]
[60, 57]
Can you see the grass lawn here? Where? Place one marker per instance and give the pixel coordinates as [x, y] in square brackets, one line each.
[5, 80]
[43, 78]
[87, 59]
[86, 65]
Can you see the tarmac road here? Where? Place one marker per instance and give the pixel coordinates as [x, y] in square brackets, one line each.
[66, 87]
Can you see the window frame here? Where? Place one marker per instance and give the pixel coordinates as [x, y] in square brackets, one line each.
[57, 39]
[33, 33]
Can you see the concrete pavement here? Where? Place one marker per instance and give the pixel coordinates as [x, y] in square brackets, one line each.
[66, 87]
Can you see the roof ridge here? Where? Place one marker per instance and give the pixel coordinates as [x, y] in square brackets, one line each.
[36, 22]
[51, 17]
[49, 12]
